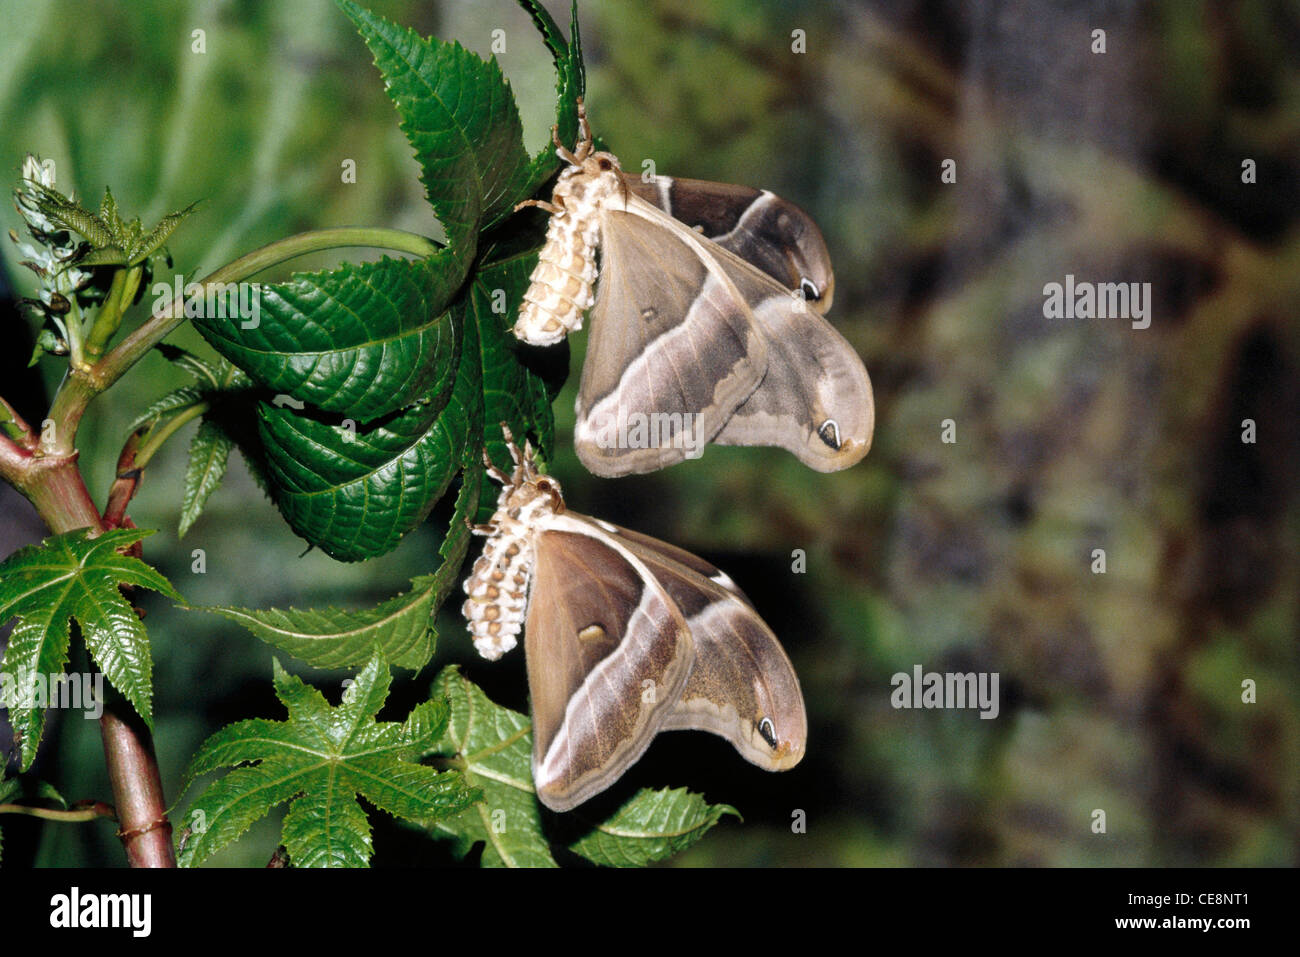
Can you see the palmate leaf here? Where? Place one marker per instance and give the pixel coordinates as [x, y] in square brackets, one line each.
[361, 340]
[71, 576]
[178, 400]
[355, 493]
[494, 746]
[320, 760]
[407, 367]
[459, 115]
[333, 638]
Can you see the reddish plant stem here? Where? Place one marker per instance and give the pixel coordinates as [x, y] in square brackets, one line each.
[133, 771]
[54, 485]
[125, 483]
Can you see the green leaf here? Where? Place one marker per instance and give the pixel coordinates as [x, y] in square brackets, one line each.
[207, 374]
[178, 400]
[9, 422]
[459, 115]
[361, 340]
[512, 393]
[319, 760]
[419, 360]
[494, 746]
[219, 388]
[113, 241]
[401, 629]
[571, 83]
[71, 576]
[398, 628]
[650, 827]
[27, 789]
[209, 453]
[356, 494]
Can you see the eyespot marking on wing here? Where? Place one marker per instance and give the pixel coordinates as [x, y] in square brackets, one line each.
[591, 633]
[809, 289]
[829, 432]
[768, 730]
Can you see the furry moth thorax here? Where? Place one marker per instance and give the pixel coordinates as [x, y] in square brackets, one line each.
[498, 584]
[560, 288]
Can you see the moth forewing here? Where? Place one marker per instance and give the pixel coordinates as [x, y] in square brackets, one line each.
[673, 348]
[608, 655]
[682, 322]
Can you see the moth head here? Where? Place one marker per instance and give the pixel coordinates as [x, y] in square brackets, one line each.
[524, 485]
[600, 163]
[543, 486]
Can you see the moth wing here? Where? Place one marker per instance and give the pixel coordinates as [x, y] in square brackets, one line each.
[816, 399]
[608, 655]
[760, 227]
[673, 348]
[743, 686]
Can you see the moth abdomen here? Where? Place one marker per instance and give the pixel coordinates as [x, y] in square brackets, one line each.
[560, 288]
[497, 591]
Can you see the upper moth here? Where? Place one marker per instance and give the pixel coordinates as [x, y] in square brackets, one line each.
[705, 332]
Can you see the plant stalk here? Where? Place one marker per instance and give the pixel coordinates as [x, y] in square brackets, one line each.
[143, 826]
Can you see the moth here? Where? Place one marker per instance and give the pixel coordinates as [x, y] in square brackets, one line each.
[712, 331]
[624, 636]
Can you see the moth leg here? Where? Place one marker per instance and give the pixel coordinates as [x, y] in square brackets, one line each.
[585, 142]
[574, 157]
[581, 149]
[501, 477]
[552, 208]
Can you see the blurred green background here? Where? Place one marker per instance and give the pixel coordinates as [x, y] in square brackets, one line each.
[1120, 691]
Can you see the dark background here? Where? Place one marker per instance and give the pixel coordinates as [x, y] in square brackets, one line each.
[1120, 691]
